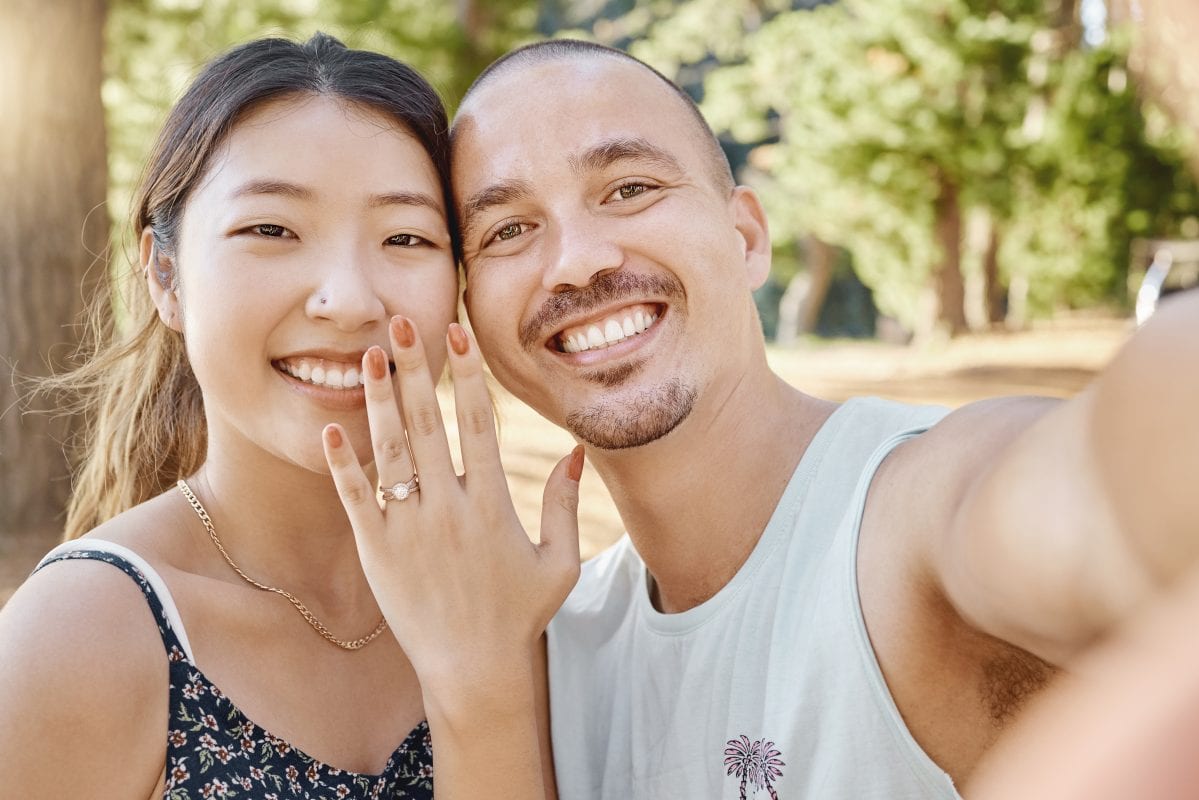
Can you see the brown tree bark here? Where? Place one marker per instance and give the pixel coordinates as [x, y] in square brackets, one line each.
[1118, 12]
[1067, 22]
[995, 292]
[53, 230]
[803, 299]
[820, 257]
[951, 290]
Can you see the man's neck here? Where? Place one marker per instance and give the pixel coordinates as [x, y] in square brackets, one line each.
[696, 502]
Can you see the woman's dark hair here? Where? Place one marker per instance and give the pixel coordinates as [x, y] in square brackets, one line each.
[143, 414]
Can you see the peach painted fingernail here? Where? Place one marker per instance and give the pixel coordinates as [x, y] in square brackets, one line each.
[401, 329]
[376, 363]
[333, 436]
[458, 339]
[574, 470]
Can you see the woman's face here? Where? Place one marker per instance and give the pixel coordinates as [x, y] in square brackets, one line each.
[315, 223]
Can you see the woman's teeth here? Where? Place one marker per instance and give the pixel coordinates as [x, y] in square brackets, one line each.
[616, 329]
[331, 377]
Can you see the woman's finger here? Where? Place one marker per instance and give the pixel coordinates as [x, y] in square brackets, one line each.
[356, 491]
[422, 414]
[476, 419]
[393, 461]
[560, 514]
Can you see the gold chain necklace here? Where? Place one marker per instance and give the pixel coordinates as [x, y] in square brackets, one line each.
[316, 624]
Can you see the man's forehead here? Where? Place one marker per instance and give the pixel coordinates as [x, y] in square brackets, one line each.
[549, 77]
[578, 94]
[556, 113]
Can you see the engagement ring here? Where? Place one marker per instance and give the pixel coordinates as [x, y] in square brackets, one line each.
[402, 490]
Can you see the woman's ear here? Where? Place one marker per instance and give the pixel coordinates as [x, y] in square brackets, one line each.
[159, 272]
[749, 218]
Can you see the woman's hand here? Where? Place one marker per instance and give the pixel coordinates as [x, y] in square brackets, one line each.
[465, 591]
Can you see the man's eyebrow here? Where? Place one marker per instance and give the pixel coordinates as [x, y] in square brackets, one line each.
[496, 194]
[610, 151]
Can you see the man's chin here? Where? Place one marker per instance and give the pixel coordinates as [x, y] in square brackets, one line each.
[634, 421]
[614, 376]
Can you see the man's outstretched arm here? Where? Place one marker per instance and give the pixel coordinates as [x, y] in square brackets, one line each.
[1090, 511]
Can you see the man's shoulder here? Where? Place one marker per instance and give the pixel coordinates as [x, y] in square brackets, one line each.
[868, 413]
[862, 432]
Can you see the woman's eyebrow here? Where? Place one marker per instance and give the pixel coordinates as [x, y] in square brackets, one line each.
[405, 199]
[271, 186]
[266, 186]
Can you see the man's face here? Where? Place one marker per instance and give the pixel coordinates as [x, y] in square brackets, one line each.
[608, 274]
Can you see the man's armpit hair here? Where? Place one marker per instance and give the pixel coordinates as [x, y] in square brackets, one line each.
[1010, 678]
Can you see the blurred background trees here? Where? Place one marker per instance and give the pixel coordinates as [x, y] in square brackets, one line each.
[981, 161]
[952, 164]
[53, 229]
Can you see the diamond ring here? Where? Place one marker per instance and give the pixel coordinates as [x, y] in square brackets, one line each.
[402, 490]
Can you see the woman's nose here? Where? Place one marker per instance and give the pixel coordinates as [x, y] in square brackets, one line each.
[346, 296]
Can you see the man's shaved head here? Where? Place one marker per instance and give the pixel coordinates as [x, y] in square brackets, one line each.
[574, 49]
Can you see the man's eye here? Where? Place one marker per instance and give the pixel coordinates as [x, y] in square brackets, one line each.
[273, 231]
[405, 240]
[512, 229]
[631, 190]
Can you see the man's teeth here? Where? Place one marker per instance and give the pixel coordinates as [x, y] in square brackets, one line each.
[613, 330]
[332, 377]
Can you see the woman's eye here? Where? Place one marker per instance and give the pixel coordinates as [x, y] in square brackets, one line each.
[405, 240]
[273, 231]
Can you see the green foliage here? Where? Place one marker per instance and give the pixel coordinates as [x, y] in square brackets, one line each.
[1107, 169]
[865, 111]
[154, 47]
[876, 107]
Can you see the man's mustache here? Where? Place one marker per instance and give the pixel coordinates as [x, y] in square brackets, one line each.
[605, 289]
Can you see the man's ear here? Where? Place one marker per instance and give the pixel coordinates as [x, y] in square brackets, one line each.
[159, 271]
[749, 218]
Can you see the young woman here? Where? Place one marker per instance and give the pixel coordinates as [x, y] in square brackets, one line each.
[213, 633]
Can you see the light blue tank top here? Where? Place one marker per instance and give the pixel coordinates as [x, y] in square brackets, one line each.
[768, 689]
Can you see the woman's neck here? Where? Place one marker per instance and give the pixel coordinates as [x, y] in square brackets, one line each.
[283, 525]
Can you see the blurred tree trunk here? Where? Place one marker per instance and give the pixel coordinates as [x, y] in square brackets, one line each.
[486, 33]
[951, 290]
[1066, 20]
[473, 19]
[820, 257]
[995, 294]
[803, 299]
[1118, 12]
[53, 229]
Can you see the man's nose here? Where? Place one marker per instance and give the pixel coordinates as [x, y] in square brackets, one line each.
[581, 248]
[346, 294]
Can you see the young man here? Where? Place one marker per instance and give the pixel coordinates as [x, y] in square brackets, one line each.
[812, 600]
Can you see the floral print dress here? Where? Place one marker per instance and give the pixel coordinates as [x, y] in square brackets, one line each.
[214, 751]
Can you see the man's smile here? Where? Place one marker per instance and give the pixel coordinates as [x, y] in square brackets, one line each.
[609, 297]
[607, 328]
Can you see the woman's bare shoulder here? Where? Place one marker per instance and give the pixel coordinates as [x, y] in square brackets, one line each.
[157, 530]
[83, 682]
